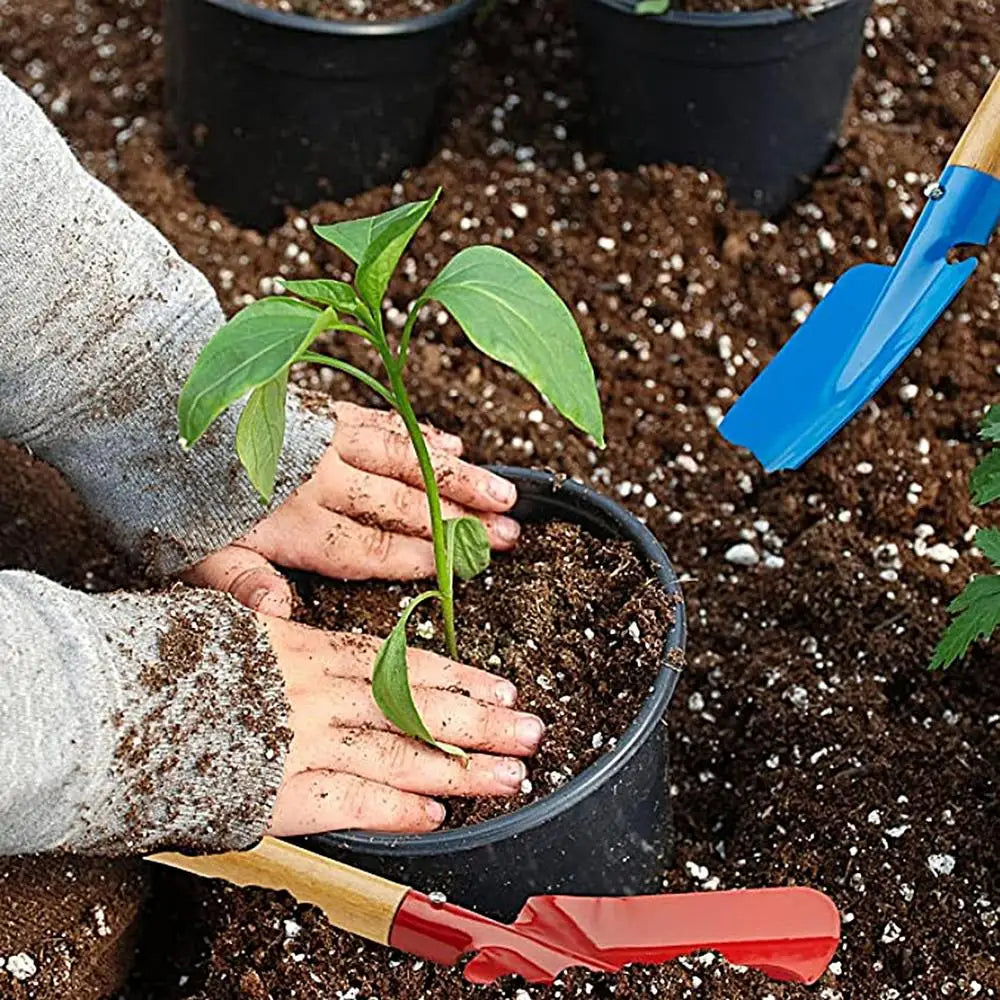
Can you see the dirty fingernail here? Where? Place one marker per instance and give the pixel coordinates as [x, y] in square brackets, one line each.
[452, 441]
[506, 693]
[260, 597]
[435, 812]
[501, 490]
[510, 773]
[529, 731]
[508, 529]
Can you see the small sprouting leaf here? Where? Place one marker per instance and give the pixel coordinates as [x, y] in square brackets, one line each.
[989, 429]
[253, 347]
[326, 292]
[652, 6]
[384, 251]
[978, 615]
[391, 683]
[984, 483]
[260, 434]
[988, 542]
[354, 236]
[467, 545]
[375, 244]
[508, 311]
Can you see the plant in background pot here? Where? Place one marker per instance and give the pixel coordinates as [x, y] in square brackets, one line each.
[607, 829]
[977, 608]
[268, 108]
[754, 90]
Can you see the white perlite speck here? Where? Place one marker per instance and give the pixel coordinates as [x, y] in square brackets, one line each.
[21, 966]
[941, 864]
[942, 553]
[892, 932]
[743, 554]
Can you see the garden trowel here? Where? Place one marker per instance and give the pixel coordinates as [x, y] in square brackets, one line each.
[874, 315]
[790, 934]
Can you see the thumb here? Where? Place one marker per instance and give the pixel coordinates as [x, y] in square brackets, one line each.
[248, 576]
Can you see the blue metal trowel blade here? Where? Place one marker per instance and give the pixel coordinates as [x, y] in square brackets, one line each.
[862, 330]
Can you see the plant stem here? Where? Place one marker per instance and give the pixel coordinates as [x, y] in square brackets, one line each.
[343, 366]
[444, 577]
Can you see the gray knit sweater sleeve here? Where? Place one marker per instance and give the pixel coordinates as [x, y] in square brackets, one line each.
[133, 723]
[100, 322]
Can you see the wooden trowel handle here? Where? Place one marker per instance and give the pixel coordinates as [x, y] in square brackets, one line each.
[979, 146]
[352, 900]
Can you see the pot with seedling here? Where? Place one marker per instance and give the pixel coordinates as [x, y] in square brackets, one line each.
[606, 831]
[279, 103]
[756, 94]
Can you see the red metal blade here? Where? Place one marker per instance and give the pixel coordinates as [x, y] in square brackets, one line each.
[789, 934]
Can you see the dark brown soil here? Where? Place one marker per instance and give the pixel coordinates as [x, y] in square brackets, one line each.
[729, 6]
[68, 926]
[577, 623]
[809, 743]
[357, 10]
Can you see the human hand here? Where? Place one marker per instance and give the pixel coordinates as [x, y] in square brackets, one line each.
[348, 768]
[362, 514]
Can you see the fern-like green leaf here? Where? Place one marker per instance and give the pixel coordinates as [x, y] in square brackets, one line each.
[977, 611]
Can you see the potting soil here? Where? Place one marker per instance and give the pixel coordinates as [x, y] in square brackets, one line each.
[810, 744]
[356, 10]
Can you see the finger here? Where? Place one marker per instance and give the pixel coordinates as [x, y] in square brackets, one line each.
[309, 537]
[388, 420]
[450, 717]
[320, 801]
[320, 656]
[248, 576]
[409, 765]
[392, 455]
[394, 506]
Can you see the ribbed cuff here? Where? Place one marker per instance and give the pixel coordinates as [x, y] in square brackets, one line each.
[167, 507]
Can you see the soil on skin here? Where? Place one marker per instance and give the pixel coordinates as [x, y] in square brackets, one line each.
[809, 743]
[577, 623]
[357, 10]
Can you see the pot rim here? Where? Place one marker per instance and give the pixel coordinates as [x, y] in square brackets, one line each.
[648, 717]
[359, 29]
[729, 19]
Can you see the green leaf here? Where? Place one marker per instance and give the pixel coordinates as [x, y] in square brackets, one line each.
[988, 542]
[376, 243]
[978, 611]
[385, 249]
[652, 6]
[467, 545]
[326, 292]
[260, 434]
[984, 483]
[391, 683]
[989, 429]
[508, 311]
[253, 347]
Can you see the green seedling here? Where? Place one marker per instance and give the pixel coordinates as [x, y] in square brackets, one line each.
[977, 608]
[504, 307]
[652, 6]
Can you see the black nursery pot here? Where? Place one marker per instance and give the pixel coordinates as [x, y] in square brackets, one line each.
[757, 96]
[269, 109]
[609, 831]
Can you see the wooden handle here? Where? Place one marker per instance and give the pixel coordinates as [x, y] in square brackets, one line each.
[353, 900]
[979, 146]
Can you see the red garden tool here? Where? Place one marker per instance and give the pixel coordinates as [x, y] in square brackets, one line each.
[790, 934]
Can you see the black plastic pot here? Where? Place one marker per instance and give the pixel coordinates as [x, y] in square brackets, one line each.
[757, 96]
[269, 109]
[609, 831]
